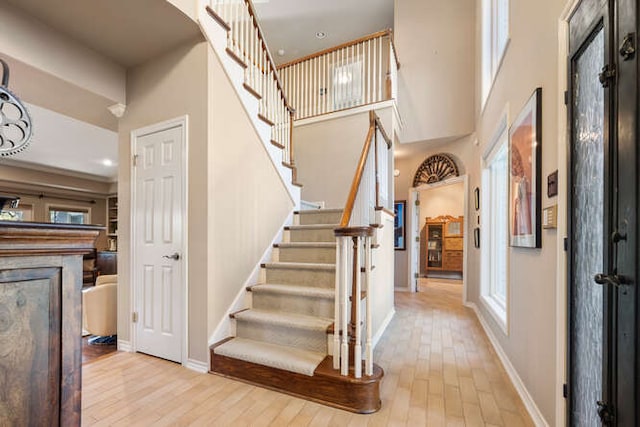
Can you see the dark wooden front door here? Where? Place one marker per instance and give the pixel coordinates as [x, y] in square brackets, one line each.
[603, 186]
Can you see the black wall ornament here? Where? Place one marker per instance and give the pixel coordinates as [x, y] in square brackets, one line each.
[15, 122]
[435, 169]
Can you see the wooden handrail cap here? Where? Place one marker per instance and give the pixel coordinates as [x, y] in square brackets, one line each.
[354, 232]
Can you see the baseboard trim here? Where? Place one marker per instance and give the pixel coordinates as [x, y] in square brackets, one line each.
[197, 366]
[529, 403]
[125, 346]
[383, 327]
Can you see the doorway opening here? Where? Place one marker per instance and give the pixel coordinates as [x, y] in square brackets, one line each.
[438, 232]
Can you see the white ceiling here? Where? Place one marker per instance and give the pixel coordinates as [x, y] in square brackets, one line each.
[291, 25]
[62, 142]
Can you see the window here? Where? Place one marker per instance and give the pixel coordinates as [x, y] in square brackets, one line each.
[495, 37]
[495, 238]
[347, 85]
[60, 215]
[22, 213]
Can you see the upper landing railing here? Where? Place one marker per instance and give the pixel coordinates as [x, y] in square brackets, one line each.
[353, 74]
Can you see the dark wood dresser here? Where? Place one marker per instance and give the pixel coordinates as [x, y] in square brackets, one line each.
[40, 322]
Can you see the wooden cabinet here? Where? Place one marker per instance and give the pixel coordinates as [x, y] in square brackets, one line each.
[445, 243]
[40, 322]
[107, 262]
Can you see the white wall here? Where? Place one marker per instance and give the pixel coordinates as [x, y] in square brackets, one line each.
[382, 297]
[188, 7]
[167, 87]
[247, 201]
[327, 153]
[530, 62]
[443, 200]
[436, 80]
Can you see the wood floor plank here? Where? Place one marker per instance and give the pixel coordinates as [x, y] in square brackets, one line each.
[440, 370]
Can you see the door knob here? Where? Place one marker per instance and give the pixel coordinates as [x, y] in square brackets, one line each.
[175, 256]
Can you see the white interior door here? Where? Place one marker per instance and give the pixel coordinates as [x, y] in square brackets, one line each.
[158, 242]
[414, 239]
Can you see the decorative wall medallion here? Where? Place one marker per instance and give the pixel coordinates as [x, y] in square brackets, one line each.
[436, 168]
[15, 123]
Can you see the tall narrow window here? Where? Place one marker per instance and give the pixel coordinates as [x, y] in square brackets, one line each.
[347, 84]
[495, 239]
[495, 37]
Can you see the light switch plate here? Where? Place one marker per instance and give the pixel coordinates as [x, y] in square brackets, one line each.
[550, 217]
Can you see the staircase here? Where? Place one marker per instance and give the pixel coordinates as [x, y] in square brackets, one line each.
[283, 341]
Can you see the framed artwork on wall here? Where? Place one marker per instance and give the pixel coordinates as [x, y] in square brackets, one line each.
[525, 141]
[399, 207]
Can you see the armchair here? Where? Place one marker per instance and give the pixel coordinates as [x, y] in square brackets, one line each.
[100, 309]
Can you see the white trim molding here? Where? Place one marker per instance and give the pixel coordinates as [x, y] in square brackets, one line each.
[529, 403]
[383, 327]
[196, 365]
[124, 345]
[561, 260]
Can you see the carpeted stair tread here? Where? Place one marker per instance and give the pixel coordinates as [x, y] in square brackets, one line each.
[278, 318]
[306, 291]
[329, 245]
[272, 355]
[300, 266]
[318, 211]
[312, 227]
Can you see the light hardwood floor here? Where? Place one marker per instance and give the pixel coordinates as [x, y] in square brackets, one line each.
[440, 370]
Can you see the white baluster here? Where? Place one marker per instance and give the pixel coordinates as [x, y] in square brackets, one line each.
[325, 84]
[380, 72]
[344, 298]
[336, 305]
[368, 65]
[368, 349]
[357, 350]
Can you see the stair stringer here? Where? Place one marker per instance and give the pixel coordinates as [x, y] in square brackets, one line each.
[217, 38]
[242, 300]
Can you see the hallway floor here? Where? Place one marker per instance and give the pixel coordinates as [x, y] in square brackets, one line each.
[440, 370]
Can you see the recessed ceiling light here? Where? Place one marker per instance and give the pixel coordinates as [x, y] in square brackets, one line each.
[280, 52]
[321, 35]
[107, 162]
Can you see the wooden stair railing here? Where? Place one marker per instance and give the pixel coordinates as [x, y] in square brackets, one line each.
[246, 44]
[360, 72]
[353, 278]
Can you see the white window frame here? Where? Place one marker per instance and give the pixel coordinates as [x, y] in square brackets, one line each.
[495, 254]
[495, 40]
[69, 208]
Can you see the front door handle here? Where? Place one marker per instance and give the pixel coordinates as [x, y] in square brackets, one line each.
[175, 256]
[610, 279]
